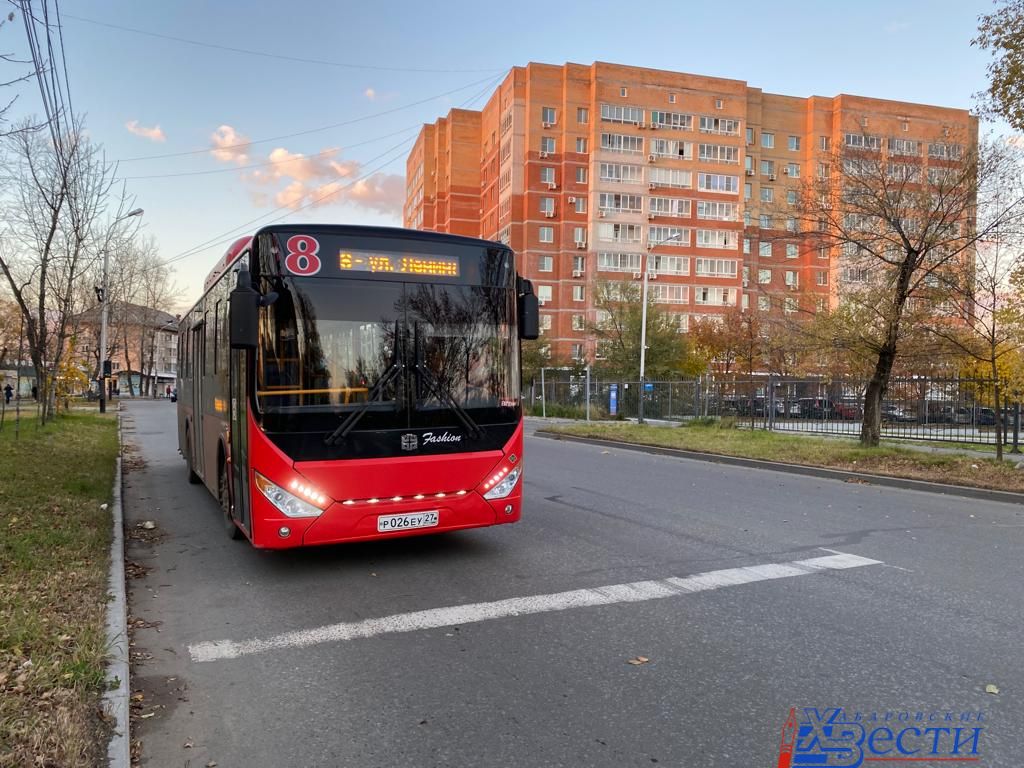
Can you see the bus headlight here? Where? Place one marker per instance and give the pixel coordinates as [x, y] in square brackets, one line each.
[505, 485]
[287, 503]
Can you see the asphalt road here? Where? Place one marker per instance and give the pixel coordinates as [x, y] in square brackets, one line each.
[925, 629]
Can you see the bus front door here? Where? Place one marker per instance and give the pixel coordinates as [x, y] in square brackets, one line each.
[240, 436]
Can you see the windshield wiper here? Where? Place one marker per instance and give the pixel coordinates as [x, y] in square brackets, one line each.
[373, 397]
[425, 374]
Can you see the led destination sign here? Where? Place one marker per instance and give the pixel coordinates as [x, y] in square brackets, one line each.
[430, 266]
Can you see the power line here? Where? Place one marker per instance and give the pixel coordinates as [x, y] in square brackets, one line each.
[324, 153]
[354, 120]
[265, 54]
[234, 231]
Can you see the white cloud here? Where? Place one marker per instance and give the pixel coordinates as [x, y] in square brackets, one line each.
[229, 146]
[895, 27]
[370, 93]
[153, 134]
[293, 180]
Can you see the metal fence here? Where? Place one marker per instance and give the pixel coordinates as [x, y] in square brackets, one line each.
[919, 408]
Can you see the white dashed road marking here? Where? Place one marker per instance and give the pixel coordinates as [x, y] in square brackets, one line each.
[435, 618]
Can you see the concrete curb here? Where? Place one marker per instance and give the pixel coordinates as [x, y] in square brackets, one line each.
[116, 698]
[906, 484]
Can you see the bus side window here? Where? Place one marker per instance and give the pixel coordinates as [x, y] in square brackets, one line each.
[216, 334]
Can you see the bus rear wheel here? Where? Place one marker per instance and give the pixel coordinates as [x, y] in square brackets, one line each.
[224, 497]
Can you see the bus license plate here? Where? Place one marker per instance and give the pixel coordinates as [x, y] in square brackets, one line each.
[407, 521]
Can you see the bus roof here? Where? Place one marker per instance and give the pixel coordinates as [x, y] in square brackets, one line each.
[239, 246]
[367, 231]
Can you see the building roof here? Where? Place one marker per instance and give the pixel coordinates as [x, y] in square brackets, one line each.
[135, 314]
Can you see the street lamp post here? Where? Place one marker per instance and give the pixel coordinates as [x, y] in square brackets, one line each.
[103, 315]
[643, 320]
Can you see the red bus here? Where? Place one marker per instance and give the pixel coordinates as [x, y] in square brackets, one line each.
[343, 383]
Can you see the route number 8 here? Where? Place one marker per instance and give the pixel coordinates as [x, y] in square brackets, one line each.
[302, 256]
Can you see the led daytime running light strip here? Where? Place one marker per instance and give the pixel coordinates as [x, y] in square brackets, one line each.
[309, 494]
[417, 497]
[496, 479]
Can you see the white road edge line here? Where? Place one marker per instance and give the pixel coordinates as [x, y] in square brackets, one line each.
[435, 618]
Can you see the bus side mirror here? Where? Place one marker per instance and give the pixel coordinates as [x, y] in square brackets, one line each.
[244, 308]
[529, 311]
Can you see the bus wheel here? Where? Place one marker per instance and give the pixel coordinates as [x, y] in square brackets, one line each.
[193, 478]
[224, 497]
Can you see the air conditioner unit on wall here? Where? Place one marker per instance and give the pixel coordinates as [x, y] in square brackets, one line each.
[652, 185]
[771, 177]
[543, 154]
[750, 171]
[547, 125]
[651, 158]
[571, 199]
[549, 214]
[602, 214]
[637, 275]
[552, 185]
[650, 216]
[577, 273]
[655, 126]
[581, 244]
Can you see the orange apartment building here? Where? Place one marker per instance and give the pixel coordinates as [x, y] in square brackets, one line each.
[586, 171]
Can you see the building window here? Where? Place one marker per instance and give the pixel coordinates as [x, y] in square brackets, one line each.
[674, 120]
[547, 206]
[746, 217]
[824, 143]
[715, 182]
[579, 234]
[719, 104]
[578, 293]
[791, 305]
[794, 143]
[623, 92]
[579, 264]
[746, 245]
[764, 250]
[543, 294]
[746, 302]
[746, 191]
[581, 204]
[716, 268]
[823, 252]
[768, 168]
[821, 277]
[581, 145]
[791, 196]
[547, 144]
[582, 115]
[764, 277]
[767, 194]
[793, 170]
[545, 263]
[547, 115]
[547, 175]
[766, 221]
[725, 126]
[576, 352]
[716, 238]
[547, 234]
[671, 98]
[791, 251]
[792, 278]
[823, 171]
[545, 322]
[750, 135]
[581, 175]
[767, 140]
[764, 303]
[578, 323]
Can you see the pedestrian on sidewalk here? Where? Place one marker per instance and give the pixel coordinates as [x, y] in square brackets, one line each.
[8, 393]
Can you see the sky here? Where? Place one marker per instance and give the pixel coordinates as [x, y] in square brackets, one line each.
[172, 114]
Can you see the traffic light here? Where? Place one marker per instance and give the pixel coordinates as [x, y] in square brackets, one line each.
[106, 369]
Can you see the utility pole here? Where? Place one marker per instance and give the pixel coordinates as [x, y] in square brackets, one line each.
[643, 322]
[105, 299]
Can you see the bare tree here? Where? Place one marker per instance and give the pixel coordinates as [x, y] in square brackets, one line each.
[52, 199]
[10, 59]
[901, 213]
[983, 294]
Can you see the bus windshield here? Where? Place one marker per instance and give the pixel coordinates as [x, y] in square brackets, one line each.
[408, 353]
